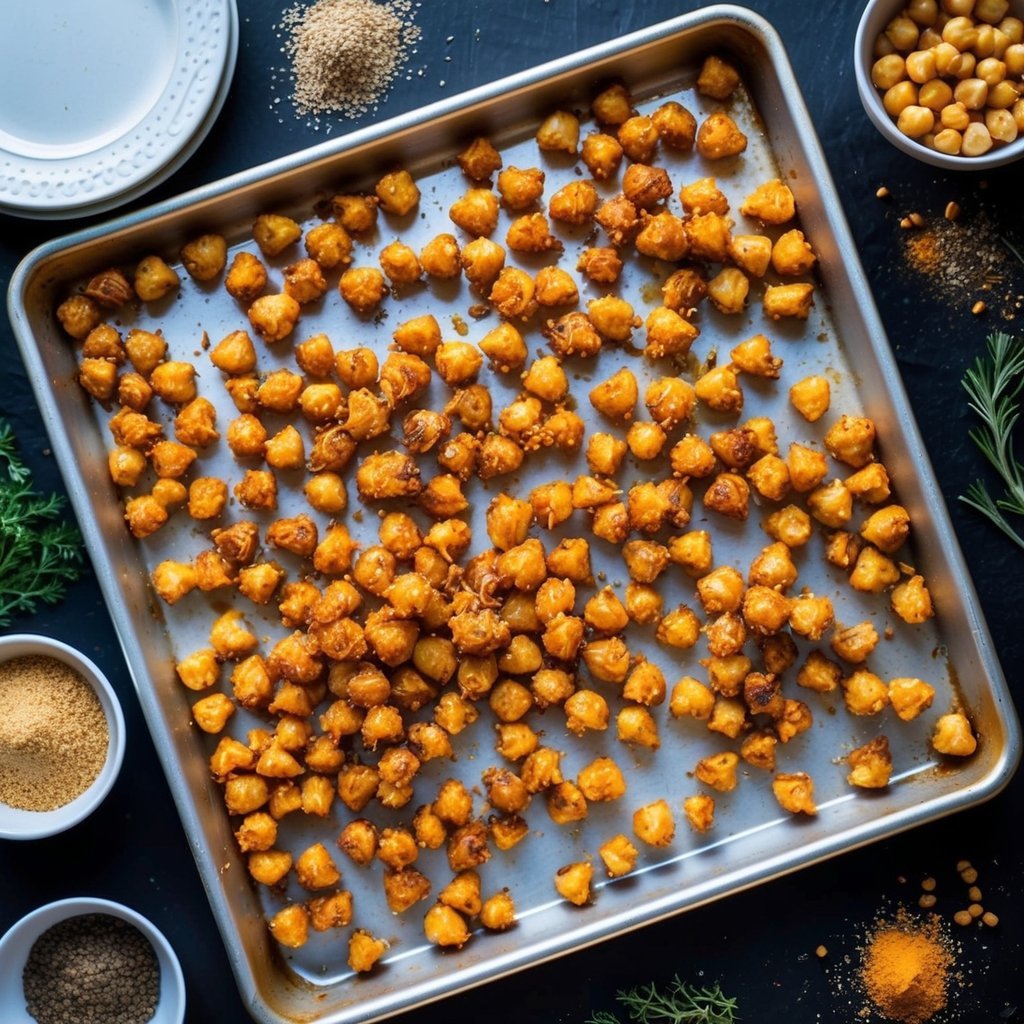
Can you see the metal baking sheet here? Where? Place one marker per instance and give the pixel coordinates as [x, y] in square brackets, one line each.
[752, 840]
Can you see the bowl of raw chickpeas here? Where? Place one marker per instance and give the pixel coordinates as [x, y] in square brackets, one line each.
[943, 80]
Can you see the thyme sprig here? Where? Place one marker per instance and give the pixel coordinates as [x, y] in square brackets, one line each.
[40, 555]
[679, 1003]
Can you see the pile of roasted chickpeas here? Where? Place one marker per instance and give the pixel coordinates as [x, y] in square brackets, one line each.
[952, 72]
[393, 649]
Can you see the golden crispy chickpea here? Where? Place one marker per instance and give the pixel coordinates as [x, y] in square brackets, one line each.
[662, 237]
[364, 950]
[634, 724]
[794, 792]
[788, 300]
[676, 126]
[719, 137]
[911, 601]
[445, 927]
[99, 378]
[457, 362]
[616, 397]
[638, 135]
[771, 202]
[273, 317]
[864, 693]
[708, 236]
[717, 79]
[619, 218]
[810, 397]
[555, 287]
[154, 279]
[498, 912]
[754, 356]
[718, 771]
[953, 735]
[572, 881]
[512, 294]
[751, 253]
[104, 342]
[274, 232]
[765, 610]
[476, 212]
[811, 616]
[400, 264]
[818, 673]
[602, 265]
[519, 187]
[78, 315]
[479, 160]
[574, 203]
[440, 257]
[363, 288]
[174, 381]
[289, 926]
[668, 334]
[126, 465]
[728, 290]
[679, 628]
[870, 765]
[704, 196]
[397, 193]
[653, 824]
[246, 278]
[304, 281]
[482, 261]
[559, 132]
[792, 254]
[721, 590]
[613, 105]
[719, 389]
[234, 353]
[691, 698]
[729, 496]
[909, 697]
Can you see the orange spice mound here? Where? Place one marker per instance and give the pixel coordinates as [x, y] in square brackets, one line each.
[906, 968]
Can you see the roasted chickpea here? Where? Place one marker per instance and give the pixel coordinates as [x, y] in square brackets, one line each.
[363, 288]
[559, 133]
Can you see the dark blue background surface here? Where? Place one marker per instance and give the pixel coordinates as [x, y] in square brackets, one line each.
[759, 944]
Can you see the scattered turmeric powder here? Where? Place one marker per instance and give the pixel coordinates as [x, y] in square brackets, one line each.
[906, 966]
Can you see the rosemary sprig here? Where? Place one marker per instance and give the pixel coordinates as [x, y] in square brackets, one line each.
[680, 1003]
[993, 385]
[40, 556]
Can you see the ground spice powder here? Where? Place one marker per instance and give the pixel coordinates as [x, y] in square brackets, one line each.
[53, 734]
[905, 970]
[92, 969]
[346, 53]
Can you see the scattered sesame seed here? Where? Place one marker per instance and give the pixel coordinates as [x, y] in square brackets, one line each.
[882, 192]
[977, 309]
[952, 211]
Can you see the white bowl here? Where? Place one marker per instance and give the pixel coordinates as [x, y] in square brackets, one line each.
[20, 824]
[877, 14]
[16, 945]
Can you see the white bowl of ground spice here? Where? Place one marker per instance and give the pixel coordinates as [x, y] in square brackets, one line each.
[61, 737]
[89, 961]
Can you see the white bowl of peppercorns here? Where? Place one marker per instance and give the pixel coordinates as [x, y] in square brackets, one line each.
[62, 737]
[89, 961]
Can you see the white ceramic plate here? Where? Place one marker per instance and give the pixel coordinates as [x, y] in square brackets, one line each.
[101, 102]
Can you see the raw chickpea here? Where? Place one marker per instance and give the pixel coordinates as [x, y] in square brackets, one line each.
[1001, 125]
[921, 66]
[976, 140]
[972, 93]
[936, 95]
[898, 97]
[888, 71]
[948, 141]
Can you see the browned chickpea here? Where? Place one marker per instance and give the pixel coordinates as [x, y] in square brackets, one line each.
[512, 294]
[476, 212]
[662, 236]
[479, 160]
[676, 126]
[644, 186]
[788, 300]
[616, 397]
[355, 213]
[555, 287]
[807, 468]
[653, 824]
[669, 334]
[78, 315]
[751, 253]
[790, 525]
[304, 281]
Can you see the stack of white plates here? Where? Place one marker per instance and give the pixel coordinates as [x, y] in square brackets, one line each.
[100, 102]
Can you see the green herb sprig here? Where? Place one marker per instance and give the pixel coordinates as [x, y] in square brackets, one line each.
[993, 385]
[679, 1003]
[40, 556]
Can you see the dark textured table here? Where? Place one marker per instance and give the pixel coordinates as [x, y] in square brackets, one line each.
[760, 944]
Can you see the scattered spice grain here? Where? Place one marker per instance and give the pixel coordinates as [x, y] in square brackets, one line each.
[346, 53]
[92, 969]
[905, 970]
[53, 734]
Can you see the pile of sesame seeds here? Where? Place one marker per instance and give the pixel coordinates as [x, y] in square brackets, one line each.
[346, 53]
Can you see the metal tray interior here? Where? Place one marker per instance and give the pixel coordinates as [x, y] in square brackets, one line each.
[752, 840]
